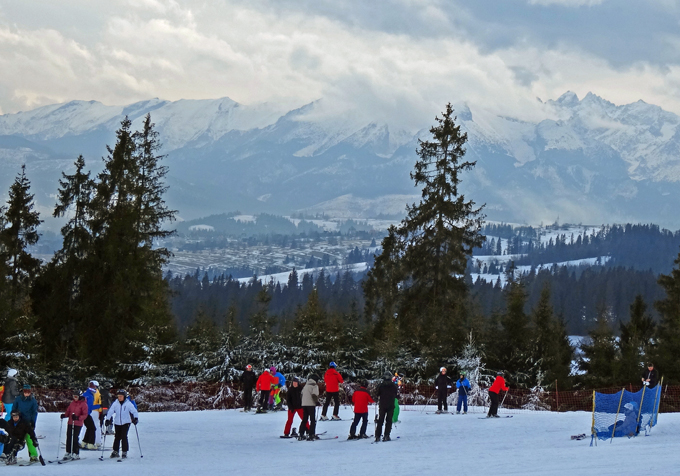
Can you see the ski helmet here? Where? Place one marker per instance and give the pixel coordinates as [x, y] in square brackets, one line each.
[121, 392]
[249, 367]
[15, 412]
[272, 369]
[296, 379]
[443, 369]
[95, 383]
[499, 373]
[12, 372]
[463, 373]
[332, 364]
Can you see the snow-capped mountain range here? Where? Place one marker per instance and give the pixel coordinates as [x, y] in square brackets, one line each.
[587, 161]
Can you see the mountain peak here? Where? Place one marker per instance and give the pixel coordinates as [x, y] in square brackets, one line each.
[568, 99]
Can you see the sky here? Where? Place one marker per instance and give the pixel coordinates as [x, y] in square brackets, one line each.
[393, 58]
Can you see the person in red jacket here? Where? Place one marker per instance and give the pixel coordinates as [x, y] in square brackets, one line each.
[361, 399]
[332, 379]
[494, 390]
[264, 386]
[76, 414]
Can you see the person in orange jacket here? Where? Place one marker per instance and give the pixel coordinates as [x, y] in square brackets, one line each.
[494, 390]
[332, 379]
[264, 386]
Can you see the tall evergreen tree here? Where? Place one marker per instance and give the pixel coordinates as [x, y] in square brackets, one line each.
[420, 274]
[636, 341]
[600, 357]
[669, 328]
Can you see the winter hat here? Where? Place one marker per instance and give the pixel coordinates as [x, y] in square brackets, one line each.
[12, 372]
[628, 406]
[443, 369]
[314, 377]
[364, 383]
[296, 379]
[272, 369]
[387, 376]
[463, 373]
[332, 364]
[121, 392]
[500, 373]
[26, 387]
[15, 412]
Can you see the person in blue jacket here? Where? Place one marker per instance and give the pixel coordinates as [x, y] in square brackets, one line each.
[276, 397]
[90, 439]
[27, 406]
[463, 386]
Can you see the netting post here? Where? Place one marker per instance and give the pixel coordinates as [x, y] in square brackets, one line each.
[557, 396]
[656, 415]
[642, 399]
[616, 420]
[592, 428]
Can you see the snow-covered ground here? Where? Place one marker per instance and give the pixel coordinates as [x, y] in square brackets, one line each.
[235, 443]
[282, 278]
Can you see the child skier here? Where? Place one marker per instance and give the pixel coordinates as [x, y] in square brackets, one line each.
[248, 379]
[275, 396]
[122, 413]
[76, 414]
[494, 390]
[14, 436]
[294, 401]
[27, 406]
[310, 398]
[361, 399]
[264, 386]
[387, 394]
[442, 384]
[463, 386]
[332, 379]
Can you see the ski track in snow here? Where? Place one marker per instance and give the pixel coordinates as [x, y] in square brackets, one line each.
[236, 443]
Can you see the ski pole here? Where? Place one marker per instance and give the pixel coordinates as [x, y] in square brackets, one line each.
[427, 402]
[138, 443]
[501, 406]
[40, 457]
[61, 426]
[101, 458]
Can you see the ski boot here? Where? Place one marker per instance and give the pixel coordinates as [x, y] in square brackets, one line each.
[336, 417]
[457, 413]
[67, 457]
[377, 439]
[363, 436]
[294, 434]
[301, 438]
[124, 455]
[114, 454]
[11, 459]
[387, 438]
[352, 437]
[75, 456]
[323, 418]
[33, 459]
[313, 438]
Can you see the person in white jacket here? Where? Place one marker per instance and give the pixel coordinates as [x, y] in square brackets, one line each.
[121, 414]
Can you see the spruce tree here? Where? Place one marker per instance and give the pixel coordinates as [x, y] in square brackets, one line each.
[668, 347]
[636, 341]
[420, 273]
[600, 357]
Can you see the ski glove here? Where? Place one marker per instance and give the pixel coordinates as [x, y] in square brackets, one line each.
[74, 417]
[436, 388]
[108, 422]
[135, 421]
[62, 416]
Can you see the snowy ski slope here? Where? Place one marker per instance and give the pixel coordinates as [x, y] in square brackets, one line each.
[235, 443]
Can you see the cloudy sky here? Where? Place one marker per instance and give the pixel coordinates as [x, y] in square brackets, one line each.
[393, 57]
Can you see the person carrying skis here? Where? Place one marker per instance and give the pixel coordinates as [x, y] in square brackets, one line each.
[294, 401]
[361, 399]
[14, 437]
[93, 399]
[310, 399]
[27, 406]
[494, 390]
[122, 413]
[650, 376]
[264, 386]
[76, 414]
[332, 379]
[386, 395]
[11, 392]
[106, 403]
[463, 386]
[442, 384]
[248, 379]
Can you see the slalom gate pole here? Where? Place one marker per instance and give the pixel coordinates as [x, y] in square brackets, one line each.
[427, 402]
[642, 399]
[138, 443]
[657, 403]
[61, 426]
[617, 415]
[593, 435]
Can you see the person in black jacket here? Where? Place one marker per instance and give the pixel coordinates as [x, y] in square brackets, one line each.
[386, 395]
[650, 376]
[442, 384]
[14, 436]
[248, 379]
[294, 402]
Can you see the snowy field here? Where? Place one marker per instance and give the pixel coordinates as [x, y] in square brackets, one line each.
[236, 443]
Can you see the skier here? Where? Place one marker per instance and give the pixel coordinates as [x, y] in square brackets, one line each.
[398, 381]
[76, 414]
[275, 397]
[248, 379]
[386, 394]
[494, 390]
[92, 438]
[14, 437]
[463, 386]
[27, 406]
[310, 399]
[11, 392]
[264, 386]
[294, 401]
[442, 384]
[332, 379]
[628, 427]
[122, 413]
[650, 376]
[106, 403]
[361, 399]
